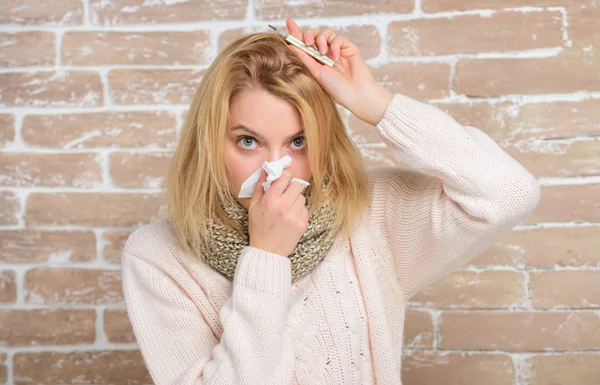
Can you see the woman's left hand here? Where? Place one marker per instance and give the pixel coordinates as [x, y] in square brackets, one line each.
[354, 87]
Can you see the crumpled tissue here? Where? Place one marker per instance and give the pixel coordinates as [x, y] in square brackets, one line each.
[274, 171]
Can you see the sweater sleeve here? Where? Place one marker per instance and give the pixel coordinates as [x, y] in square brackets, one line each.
[455, 193]
[176, 342]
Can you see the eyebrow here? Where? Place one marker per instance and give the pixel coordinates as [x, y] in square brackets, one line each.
[251, 131]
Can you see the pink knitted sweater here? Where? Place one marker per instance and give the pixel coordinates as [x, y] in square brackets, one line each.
[457, 192]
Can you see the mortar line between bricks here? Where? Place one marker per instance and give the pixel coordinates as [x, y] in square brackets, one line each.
[20, 282]
[104, 161]
[418, 8]
[29, 306]
[250, 16]
[22, 196]
[521, 366]
[88, 110]
[86, 13]
[529, 303]
[74, 348]
[35, 227]
[212, 48]
[383, 51]
[106, 96]
[435, 315]
[9, 368]
[565, 24]
[90, 150]
[95, 189]
[527, 269]
[376, 62]
[18, 139]
[100, 243]
[529, 352]
[101, 338]
[521, 100]
[58, 36]
[179, 120]
[526, 354]
[554, 225]
[568, 181]
[453, 64]
[92, 265]
[475, 310]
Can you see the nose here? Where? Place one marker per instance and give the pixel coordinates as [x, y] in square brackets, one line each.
[275, 155]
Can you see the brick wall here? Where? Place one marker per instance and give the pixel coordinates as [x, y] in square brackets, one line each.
[92, 93]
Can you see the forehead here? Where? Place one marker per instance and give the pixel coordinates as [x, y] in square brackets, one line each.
[263, 112]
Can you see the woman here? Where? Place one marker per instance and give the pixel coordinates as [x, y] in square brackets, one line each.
[293, 287]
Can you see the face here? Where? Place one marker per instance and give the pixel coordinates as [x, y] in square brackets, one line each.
[262, 128]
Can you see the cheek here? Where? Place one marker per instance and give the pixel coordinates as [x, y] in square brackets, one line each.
[239, 168]
[301, 168]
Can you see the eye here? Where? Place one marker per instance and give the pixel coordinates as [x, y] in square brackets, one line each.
[246, 140]
[301, 140]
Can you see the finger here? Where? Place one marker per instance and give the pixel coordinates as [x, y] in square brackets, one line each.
[258, 189]
[299, 205]
[293, 28]
[336, 46]
[333, 35]
[309, 36]
[300, 210]
[305, 214]
[345, 47]
[323, 38]
[279, 185]
[292, 194]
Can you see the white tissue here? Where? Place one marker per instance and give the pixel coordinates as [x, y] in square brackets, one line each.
[274, 171]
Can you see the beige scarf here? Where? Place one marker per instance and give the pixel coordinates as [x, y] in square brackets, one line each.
[226, 243]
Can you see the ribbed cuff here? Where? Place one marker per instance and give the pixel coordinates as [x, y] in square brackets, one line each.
[264, 271]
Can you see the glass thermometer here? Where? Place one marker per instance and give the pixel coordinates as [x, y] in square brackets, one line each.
[309, 50]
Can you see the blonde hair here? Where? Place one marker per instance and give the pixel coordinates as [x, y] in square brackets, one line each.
[196, 178]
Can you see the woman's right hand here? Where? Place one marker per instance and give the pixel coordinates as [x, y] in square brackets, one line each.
[278, 218]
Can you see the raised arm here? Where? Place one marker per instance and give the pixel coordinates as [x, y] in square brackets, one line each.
[455, 194]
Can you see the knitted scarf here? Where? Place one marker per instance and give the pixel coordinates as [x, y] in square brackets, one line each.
[226, 243]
